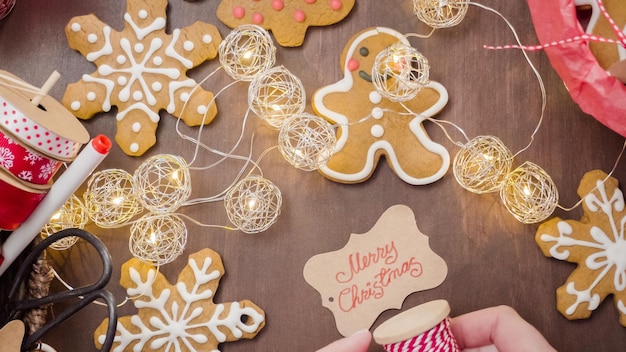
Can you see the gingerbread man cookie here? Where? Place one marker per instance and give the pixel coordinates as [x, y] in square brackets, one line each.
[596, 243]
[599, 25]
[598, 93]
[141, 70]
[287, 19]
[388, 131]
[182, 316]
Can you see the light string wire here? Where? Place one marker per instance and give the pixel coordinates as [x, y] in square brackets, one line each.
[532, 67]
[196, 141]
[97, 302]
[619, 157]
[220, 196]
[421, 36]
[524, 50]
[583, 37]
[543, 91]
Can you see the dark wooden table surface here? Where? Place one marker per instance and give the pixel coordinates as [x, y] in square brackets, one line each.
[492, 258]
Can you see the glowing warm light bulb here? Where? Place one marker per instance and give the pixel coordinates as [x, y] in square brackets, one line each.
[71, 215]
[252, 203]
[306, 141]
[400, 72]
[157, 239]
[440, 14]
[246, 52]
[275, 95]
[109, 198]
[529, 193]
[482, 164]
[56, 215]
[162, 183]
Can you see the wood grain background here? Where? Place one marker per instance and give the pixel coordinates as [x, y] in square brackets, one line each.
[492, 258]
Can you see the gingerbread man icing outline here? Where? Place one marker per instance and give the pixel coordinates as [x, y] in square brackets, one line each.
[377, 129]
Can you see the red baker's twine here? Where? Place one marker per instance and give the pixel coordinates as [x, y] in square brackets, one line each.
[578, 38]
[437, 339]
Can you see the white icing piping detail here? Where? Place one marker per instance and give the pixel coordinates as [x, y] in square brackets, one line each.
[154, 117]
[173, 87]
[171, 52]
[108, 85]
[106, 49]
[169, 330]
[610, 249]
[158, 23]
[345, 85]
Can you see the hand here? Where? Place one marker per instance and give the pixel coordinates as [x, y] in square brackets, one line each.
[359, 342]
[497, 329]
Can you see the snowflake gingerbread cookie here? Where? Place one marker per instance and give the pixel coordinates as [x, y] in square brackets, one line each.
[183, 316]
[287, 19]
[371, 126]
[596, 243]
[141, 70]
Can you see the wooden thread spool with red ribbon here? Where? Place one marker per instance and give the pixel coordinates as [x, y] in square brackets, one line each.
[37, 135]
[425, 328]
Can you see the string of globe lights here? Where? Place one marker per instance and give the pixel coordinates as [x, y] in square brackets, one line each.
[161, 185]
[483, 164]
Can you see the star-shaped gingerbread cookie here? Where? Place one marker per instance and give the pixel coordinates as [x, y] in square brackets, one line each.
[182, 316]
[596, 243]
[141, 70]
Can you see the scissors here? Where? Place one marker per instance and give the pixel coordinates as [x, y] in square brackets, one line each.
[85, 294]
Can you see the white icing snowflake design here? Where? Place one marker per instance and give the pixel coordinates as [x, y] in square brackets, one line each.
[596, 243]
[141, 70]
[181, 317]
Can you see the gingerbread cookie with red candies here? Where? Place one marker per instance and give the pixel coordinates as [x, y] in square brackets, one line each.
[288, 20]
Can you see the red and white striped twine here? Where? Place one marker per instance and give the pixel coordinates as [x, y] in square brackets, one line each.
[616, 29]
[583, 37]
[437, 339]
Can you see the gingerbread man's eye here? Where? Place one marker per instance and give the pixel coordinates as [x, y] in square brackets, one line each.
[364, 51]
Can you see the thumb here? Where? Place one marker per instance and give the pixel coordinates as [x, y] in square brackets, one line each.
[358, 342]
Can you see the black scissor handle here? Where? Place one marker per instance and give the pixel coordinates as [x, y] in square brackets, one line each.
[87, 294]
